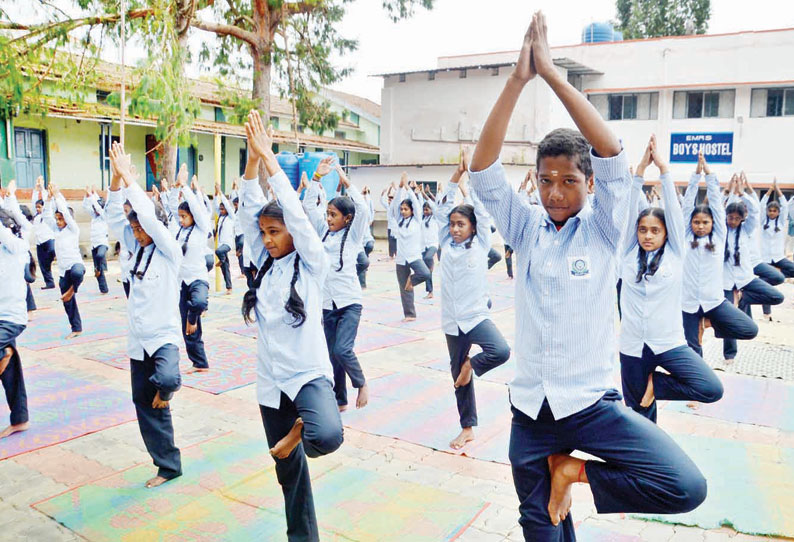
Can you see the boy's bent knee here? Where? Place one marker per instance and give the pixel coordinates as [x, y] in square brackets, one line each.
[690, 493]
[323, 441]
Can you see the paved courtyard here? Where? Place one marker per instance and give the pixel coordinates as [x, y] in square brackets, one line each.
[78, 473]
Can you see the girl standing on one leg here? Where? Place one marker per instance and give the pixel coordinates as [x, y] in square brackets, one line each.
[151, 315]
[742, 216]
[94, 206]
[341, 225]
[14, 258]
[651, 332]
[116, 217]
[386, 201]
[239, 238]
[702, 298]
[409, 246]
[42, 233]
[194, 226]
[224, 235]
[70, 263]
[294, 391]
[429, 238]
[465, 234]
[773, 237]
[367, 242]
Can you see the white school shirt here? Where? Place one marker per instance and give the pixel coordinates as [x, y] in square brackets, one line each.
[739, 276]
[565, 288]
[42, 232]
[409, 235]
[225, 227]
[464, 286]
[341, 288]
[238, 228]
[370, 219]
[194, 265]
[13, 260]
[99, 226]
[122, 231]
[287, 357]
[702, 285]
[773, 242]
[153, 305]
[651, 308]
[67, 240]
[430, 231]
[391, 223]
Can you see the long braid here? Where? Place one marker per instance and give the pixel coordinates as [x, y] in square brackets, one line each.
[737, 261]
[342, 246]
[249, 299]
[294, 304]
[710, 246]
[777, 229]
[187, 237]
[642, 264]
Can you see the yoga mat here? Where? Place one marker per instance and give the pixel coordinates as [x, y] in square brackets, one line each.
[423, 411]
[62, 407]
[50, 327]
[751, 486]
[370, 337]
[232, 362]
[501, 375]
[757, 401]
[229, 492]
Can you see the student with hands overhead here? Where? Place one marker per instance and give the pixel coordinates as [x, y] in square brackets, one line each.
[152, 315]
[563, 396]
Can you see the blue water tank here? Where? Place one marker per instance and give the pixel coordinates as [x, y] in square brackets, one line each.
[308, 164]
[289, 162]
[600, 32]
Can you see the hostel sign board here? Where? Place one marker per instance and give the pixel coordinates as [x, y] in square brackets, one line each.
[717, 147]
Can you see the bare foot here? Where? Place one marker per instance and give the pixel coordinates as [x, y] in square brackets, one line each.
[564, 471]
[156, 481]
[409, 287]
[68, 295]
[342, 408]
[429, 295]
[229, 291]
[694, 405]
[97, 273]
[728, 361]
[217, 264]
[284, 447]
[768, 317]
[409, 319]
[6, 359]
[197, 370]
[73, 334]
[11, 429]
[363, 396]
[648, 399]
[464, 377]
[466, 435]
[159, 403]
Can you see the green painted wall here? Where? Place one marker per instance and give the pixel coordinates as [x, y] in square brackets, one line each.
[7, 168]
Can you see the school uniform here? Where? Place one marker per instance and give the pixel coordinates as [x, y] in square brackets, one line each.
[225, 239]
[702, 295]
[409, 249]
[30, 301]
[293, 368]
[651, 331]
[773, 238]
[154, 327]
[740, 276]
[465, 317]
[14, 259]
[391, 224]
[120, 226]
[562, 396]
[44, 239]
[367, 244]
[429, 241]
[70, 262]
[99, 239]
[342, 296]
[239, 238]
[193, 278]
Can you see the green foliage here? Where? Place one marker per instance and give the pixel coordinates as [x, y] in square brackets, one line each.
[658, 18]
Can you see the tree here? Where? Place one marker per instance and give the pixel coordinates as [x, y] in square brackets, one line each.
[658, 18]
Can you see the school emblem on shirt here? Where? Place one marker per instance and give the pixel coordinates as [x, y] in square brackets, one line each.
[579, 267]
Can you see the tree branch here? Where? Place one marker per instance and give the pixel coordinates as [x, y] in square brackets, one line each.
[225, 30]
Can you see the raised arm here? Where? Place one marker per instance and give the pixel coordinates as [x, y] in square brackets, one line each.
[361, 220]
[673, 215]
[12, 206]
[63, 208]
[197, 209]
[750, 199]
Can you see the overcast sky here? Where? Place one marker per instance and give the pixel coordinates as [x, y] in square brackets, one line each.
[457, 27]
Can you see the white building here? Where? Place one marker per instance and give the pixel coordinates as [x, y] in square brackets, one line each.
[734, 92]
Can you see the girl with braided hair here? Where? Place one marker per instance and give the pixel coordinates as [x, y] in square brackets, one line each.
[742, 216]
[651, 331]
[15, 232]
[294, 388]
[152, 314]
[773, 239]
[702, 300]
[464, 234]
[341, 224]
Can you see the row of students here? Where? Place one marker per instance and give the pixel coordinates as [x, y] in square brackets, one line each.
[94, 206]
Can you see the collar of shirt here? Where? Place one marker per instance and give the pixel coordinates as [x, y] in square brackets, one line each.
[578, 217]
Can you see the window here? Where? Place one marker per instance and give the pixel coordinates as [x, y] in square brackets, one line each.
[355, 118]
[494, 72]
[105, 142]
[640, 106]
[703, 104]
[274, 122]
[462, 74]
[340, 135]
[219, 115]
[244, 159]
[772, 102]
[431, 76]
[402, 78]
[102, 96]
[301, 128]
